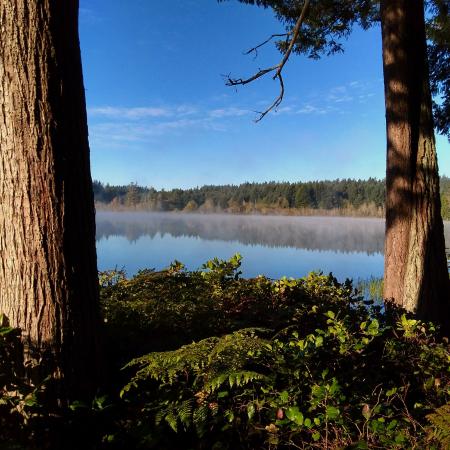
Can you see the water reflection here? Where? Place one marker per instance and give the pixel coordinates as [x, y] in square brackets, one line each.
[273, 245]
[309, 233]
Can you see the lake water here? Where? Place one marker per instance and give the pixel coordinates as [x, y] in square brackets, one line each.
[270, 245]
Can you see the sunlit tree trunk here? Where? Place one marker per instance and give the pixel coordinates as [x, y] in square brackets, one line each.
[415, 274]
[48, 271]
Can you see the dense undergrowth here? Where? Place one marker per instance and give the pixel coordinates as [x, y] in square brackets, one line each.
[208, 360]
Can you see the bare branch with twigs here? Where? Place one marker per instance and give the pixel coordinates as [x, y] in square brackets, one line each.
[278, 68]
[240, 81]
[255, 49]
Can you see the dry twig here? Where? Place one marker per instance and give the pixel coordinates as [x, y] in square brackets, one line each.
[255, 49]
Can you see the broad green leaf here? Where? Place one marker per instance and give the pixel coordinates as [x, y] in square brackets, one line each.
[316, 436]
[332, 412]
[295, 415]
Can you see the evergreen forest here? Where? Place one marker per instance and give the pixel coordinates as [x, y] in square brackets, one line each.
[340, 197]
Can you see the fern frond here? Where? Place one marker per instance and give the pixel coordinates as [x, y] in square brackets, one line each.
[159, 416]
[238, 379]
[172, 421]
[200, 420]
[440, 420]
[185, 413]
[167, 366]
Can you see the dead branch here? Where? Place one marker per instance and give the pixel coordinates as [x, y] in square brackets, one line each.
[240, 81]
[278, 68]
[255, 49]
[277, 101]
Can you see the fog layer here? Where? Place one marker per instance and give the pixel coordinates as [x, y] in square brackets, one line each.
[309, 233]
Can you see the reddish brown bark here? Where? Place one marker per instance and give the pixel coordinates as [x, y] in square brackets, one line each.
[48, 271]
[415, 274]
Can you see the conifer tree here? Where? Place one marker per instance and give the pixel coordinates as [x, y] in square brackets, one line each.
[416, 275]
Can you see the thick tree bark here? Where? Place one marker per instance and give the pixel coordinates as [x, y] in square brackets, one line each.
[48, 267]
[415, 274]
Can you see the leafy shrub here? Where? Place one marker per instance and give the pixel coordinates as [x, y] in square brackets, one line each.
[333, 371]
[164, 310]
[233, 363]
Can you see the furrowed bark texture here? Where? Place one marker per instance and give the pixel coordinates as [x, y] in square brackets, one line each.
[415, 274]
[48, 268]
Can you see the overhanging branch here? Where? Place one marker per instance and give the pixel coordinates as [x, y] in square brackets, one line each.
[255, 49]
[278, 68]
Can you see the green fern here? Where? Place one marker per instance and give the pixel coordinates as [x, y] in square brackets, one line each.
[172, 421]
[184, 412]
[440, 420]
[237, 379]
[218, 359]
[175, 413]
[200, 370]
[200, 419]
[167, 367]
[159, 416]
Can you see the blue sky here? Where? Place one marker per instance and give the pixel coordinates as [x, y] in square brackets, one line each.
[160, 113]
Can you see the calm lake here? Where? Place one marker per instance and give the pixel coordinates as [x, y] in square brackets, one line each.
[270, 245]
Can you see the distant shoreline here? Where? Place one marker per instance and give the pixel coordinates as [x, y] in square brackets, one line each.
[218, 213]
[328, 198]
[288, 212]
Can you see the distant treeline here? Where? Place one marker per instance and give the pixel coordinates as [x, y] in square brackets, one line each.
[445, 197]
[334, 197]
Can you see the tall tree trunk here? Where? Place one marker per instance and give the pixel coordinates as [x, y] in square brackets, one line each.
[48, 267]
[415, 275]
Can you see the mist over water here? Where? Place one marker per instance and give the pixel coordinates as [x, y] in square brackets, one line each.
[271, 245]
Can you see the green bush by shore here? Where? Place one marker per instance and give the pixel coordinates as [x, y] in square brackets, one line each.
[208, 360]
